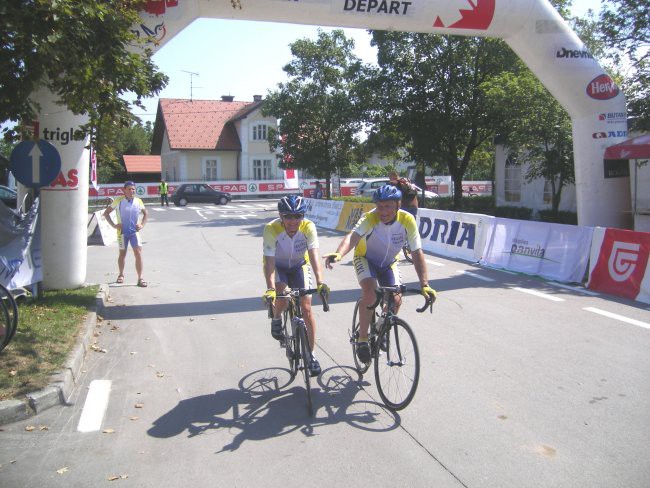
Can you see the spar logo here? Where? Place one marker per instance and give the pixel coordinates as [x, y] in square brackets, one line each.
[602, 87]
[471, 14]
[622, 260]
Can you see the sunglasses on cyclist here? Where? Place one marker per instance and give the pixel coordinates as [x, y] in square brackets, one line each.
[293, 216]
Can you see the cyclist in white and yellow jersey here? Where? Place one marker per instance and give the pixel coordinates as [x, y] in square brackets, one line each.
[377, 239]
[290, 251]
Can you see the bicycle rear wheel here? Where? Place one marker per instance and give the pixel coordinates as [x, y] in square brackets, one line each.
[397, 370]
[5, 325]
[354, 336]
[305, 356]
[11, 319]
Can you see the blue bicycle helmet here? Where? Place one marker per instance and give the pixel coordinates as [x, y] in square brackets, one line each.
[292, 204]
[386, 192]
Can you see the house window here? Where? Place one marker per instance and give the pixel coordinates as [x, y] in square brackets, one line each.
[211, 169]
[259, 132]
[512, 181]
[548, 192]
[261, 169]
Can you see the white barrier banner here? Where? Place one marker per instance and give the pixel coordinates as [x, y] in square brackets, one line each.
[553, 251]
[454, 234]
[324, 213]
[20, 247]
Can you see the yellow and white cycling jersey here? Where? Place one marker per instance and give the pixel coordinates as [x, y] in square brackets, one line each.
[289, 252]
[381, 243]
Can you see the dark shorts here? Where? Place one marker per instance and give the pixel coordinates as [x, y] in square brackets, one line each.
[388, 276]
[298, 277]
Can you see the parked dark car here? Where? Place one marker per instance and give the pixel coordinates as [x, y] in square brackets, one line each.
[8, 196]
[199, 193]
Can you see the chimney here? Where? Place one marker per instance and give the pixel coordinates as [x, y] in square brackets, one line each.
[227, 98]
[257, 98]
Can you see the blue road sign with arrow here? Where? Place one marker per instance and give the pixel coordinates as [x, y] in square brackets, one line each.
[35, 163]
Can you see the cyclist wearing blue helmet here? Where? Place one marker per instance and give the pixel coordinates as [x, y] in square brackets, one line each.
[290, 251]
[377, 239]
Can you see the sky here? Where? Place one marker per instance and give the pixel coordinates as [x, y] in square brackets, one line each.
[243, 58]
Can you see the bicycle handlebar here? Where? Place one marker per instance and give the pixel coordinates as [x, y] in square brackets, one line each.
[300, 292]
[428, 300]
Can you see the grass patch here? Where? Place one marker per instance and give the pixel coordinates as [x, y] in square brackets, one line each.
[48, 327]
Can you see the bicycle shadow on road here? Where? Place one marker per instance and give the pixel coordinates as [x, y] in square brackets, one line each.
[264, 407]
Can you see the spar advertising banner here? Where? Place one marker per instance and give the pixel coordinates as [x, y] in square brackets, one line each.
[324, 213]
[619, 263]
[454, 234]
[554, 251]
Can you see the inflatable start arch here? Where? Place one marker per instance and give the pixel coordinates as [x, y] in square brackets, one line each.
[532, 28]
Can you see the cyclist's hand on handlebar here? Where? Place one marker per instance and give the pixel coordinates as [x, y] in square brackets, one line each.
[269, 295]
[429, 292]
[333, 257]
[323, 289]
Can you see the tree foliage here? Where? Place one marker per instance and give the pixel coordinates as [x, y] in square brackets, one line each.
[428, 94]
[132, 140]
[318, 105]
[82, 51]
[540, 131]
[625, 31]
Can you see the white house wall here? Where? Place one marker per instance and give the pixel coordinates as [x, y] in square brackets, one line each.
[532, 194]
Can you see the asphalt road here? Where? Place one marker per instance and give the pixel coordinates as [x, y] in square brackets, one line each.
[523, 383]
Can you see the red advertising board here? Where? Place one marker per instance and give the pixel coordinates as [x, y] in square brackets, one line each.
[622, 263]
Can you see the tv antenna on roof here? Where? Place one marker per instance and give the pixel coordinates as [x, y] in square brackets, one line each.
[191, 78]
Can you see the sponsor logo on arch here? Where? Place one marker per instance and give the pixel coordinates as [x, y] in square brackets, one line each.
[602, 87]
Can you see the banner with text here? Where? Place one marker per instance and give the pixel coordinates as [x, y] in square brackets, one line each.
[553, 251]
[351, 213]
[20, 248]
[619, 263]
[454, 234]
[324, 213]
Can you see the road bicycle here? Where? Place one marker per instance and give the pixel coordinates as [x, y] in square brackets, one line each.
[8, 317]
[295, 340]
[392, 347]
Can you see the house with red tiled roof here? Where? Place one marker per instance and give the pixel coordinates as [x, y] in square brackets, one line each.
[214, 140]
[143, 168]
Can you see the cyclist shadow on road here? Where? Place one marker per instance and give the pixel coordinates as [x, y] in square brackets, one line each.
[264, 407]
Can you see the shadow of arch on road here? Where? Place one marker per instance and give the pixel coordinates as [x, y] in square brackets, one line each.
[263, 406]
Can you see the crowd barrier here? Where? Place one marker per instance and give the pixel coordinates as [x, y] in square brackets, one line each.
[608, 260]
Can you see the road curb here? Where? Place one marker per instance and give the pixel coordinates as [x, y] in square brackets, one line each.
[62, 383]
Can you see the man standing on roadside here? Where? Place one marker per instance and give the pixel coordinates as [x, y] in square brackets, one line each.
[162, 189]
[409, 193]
[128, 209]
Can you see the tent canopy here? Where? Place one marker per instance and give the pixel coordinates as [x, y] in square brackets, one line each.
[635, 148]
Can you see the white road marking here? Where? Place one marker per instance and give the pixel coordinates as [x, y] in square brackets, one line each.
[176, 208]
[539, 294]
[611, 315]
[201, 215]
[158, 209]
[435, 263]
[574, 288]
[94, 409]
[475, 275]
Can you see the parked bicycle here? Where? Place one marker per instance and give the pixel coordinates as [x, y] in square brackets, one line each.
[8, 317]
[392, 347]
[294, 335]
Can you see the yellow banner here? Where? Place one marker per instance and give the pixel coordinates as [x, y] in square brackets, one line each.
[351, 213]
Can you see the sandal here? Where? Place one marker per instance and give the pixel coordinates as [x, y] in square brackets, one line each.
[142, 283]
[120, 279]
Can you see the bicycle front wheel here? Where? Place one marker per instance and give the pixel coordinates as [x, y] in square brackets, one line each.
[290, 344]
[305, 356]
[361, 366]
[397, 365]
[407, 254]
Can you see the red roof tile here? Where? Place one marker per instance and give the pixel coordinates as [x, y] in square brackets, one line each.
[141, 164]
[201, 124]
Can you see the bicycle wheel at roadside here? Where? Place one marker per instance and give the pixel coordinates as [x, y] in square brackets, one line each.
[397, 368]
[8, 317]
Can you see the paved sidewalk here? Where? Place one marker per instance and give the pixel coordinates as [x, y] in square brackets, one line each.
[62, 383]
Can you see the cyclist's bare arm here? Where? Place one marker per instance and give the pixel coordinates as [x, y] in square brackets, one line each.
[348, 243]
[314, 260]
[420, 266]
[269, 271]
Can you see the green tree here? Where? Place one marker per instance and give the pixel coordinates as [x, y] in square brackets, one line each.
[130, 140]
[318, 105]
[428, 93]
[625, 31]
[540, 131]
[81, 51]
